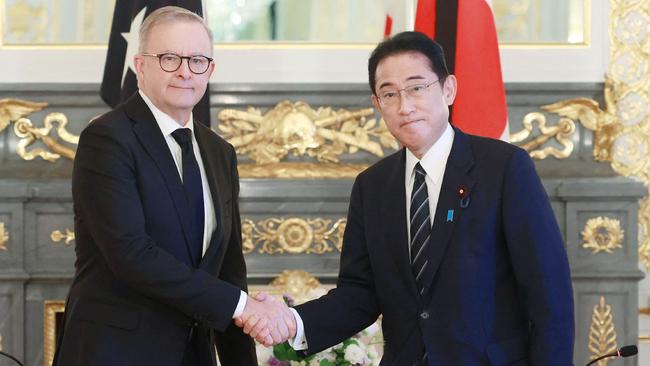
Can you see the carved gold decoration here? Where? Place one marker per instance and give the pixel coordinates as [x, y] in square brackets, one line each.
[292, 235]
[294, 128]
[602, 335]
[16, 110]
[604, 123]
[13, 109]
[51, 309]
[30, 134]
[644, 311]
[0, 342]
[622, 128]
[562, 133]
[300, 285]
[56, 236]
[4, 236]
[300, 170]
[602, 234]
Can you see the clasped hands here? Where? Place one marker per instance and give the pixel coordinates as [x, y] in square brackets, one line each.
[266, 319]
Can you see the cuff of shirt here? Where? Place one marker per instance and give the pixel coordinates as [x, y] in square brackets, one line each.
[239, 310]
[299, 342]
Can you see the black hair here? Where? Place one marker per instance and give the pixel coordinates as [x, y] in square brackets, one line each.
[408, 42]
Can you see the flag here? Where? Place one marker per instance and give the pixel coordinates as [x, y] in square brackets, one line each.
[466, 31]
[119, 81]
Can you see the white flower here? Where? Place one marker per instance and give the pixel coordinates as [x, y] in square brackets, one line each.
[354, 354]
[263, 353]
[297, 363]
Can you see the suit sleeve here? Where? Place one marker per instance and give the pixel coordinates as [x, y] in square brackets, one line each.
[233, 345]
[540, 263]
[352, 305]
[107, 201]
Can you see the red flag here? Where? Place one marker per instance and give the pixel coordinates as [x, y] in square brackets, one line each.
[480, 106]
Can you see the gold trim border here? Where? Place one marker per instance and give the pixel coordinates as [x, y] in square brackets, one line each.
[51, 308]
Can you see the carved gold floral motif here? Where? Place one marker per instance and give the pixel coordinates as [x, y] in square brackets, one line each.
[294, 128]
[56, 236]
[292, 235]
[602, 234]
[562, 133]
[13, 109]
[602, 335]
[4, 236]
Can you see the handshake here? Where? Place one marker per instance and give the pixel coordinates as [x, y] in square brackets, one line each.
[267, 319]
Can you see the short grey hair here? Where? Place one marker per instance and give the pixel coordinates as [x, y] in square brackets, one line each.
[168, 14]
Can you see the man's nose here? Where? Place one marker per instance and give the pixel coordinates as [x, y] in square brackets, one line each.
[406, 105]
[184, 70]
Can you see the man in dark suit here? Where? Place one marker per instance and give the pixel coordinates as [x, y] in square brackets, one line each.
[160, 273]
[452, 239]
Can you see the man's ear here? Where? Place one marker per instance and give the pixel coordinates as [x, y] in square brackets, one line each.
[449, 89]
[375, 102]
[138, 61]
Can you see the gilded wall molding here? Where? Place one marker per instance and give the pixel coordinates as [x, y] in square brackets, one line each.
[300, 285]
[15, 110]
[602, 335]
[315, 138]
[57, 236]
[4, 236]
[562, 133]
[51, 309]
[621, 128]
[0, 342]
[602, 234]
[293, 235]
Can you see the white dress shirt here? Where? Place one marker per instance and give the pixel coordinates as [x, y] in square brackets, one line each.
[168, 125]
[433, 162]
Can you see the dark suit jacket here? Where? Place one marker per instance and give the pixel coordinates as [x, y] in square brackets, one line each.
[500, 292]
[135, 294]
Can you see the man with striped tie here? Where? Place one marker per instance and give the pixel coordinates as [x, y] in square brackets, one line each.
[452, 239]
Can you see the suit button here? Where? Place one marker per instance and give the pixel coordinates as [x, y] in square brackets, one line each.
[424, 315]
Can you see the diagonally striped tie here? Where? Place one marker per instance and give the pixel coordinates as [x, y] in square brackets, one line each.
[420, 227]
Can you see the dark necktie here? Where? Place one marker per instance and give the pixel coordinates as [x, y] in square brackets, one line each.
[193, 190]
[420, 227]
[420, 235]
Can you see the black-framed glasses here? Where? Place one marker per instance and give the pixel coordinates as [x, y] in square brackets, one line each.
[392, 97]
[171, 62]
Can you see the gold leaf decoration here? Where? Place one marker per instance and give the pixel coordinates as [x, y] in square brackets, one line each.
[4, 236]
[30, 134]
[562, 133]
[69, 236]
[292, 235]
[300, 285]
[602, 335]
[602, 234]
[13, 109]
[295, 129]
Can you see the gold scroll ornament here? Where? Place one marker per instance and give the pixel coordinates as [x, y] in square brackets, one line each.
[292, 235]
[16, 110]
[562, 132]
[602, 234]
[295, 129]
[602, 335]
[4, 236]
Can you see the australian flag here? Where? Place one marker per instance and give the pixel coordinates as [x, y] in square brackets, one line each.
[119, 81]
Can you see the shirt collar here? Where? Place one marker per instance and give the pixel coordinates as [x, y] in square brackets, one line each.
[165, 122]
[434, 160]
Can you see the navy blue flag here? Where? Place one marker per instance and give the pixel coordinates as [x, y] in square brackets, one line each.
[119, 81]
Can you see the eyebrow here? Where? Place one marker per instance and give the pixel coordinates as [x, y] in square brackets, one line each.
[415, 77]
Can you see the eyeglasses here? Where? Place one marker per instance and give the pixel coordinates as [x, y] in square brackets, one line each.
[171, 62]
[392, 97]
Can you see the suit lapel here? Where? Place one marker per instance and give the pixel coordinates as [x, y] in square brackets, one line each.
[148, 133]
[448, 210]
[220, 188]
[394, 218]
